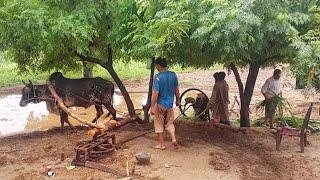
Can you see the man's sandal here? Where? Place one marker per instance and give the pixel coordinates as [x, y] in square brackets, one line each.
[175, 145]
[159, 147]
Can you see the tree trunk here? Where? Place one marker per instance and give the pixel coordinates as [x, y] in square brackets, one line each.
[251, 82]
[87, 70]
[147, 106]
[117, 80]
[300, 84]
[246, 94]
[108, 65]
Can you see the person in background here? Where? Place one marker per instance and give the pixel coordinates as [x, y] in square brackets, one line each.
[219, 100]
[270, 89]
[165, 89]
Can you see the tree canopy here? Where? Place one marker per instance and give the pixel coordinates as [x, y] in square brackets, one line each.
[238, 34]
[305, 38]
[50, 34]
[44, 34]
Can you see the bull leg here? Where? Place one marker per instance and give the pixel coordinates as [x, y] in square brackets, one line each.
[63, 119]
[111, 110]
[99, 112]
[63, 116]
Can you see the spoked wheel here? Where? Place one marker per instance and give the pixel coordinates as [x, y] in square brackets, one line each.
[193, 102]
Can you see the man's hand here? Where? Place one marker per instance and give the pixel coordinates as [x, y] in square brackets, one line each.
[178, 103]
[153, 110]
[154, 99]
[264, 95]
[177, 93]
[208, 106]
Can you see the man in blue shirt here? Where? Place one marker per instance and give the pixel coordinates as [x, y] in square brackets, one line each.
[165, 89]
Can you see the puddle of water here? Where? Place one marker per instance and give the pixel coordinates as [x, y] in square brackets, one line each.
[15, 119]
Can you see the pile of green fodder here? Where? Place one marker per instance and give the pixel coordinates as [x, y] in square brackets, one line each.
[287, 121]
[281, 104]
[282, 119]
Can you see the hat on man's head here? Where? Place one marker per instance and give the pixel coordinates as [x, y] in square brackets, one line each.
[162, 62]
[222, 75]
[277, 71]
[216, 75]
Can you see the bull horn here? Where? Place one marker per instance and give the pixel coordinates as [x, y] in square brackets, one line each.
[30, 82]
[24, 82]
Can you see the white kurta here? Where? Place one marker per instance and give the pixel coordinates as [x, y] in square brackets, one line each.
[271, 87]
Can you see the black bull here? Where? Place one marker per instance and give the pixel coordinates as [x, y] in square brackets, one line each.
[82, 92]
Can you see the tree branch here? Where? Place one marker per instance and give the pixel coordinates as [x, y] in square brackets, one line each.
[110, 60]
[274, 57]
[89, 59]
[251, 81]
[238, 79]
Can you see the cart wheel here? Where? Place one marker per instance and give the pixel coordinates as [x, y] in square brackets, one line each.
[189, 102]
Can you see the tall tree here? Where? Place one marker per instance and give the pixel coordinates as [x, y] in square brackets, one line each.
[240, 33]
[87, 70]
[199, 33]
[153, 30]
[305, 38]
[50, 34]
[46, 35]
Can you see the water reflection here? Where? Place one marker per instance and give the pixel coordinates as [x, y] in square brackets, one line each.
[16, 119]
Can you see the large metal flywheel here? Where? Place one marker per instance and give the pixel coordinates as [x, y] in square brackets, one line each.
[193, 103]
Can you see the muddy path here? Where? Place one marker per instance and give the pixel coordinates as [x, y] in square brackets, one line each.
[206, 152]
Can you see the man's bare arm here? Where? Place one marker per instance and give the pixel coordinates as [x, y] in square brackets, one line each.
[154, 99]
[177, 93]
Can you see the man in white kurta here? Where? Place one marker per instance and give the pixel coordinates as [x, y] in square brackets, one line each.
[270, 89]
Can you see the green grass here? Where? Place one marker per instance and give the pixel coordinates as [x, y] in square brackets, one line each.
[10, 75]
[294, 122]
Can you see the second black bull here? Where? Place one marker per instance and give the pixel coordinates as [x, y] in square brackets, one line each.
[83, 92]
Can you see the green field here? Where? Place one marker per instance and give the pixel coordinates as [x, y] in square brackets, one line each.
[10, 75]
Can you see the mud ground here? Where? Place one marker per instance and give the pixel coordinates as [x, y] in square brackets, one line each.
[206, 152]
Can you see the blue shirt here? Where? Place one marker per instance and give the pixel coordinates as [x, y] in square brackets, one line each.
[166, 84]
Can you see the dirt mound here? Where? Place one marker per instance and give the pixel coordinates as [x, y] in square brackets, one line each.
[244, 147]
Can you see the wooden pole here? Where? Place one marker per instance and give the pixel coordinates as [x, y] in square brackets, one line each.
[146, 108]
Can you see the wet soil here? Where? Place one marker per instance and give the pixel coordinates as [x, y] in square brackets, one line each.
[206, 152]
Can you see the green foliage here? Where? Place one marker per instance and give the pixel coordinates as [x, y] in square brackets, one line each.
[279, 102]
[44, 35]
[282, 120]
[133, 70]
[198, 33]
[294, 122]
[305, 38]
[155, 29]
[241, 32]
[41, 35]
